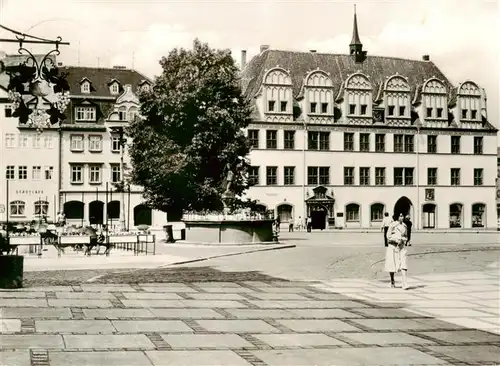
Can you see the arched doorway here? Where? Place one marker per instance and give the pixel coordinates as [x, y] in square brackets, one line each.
[285, 212]
[73, 210]
[403, 206]
[319, 214]
[429, 213]
[456, 215]
[478, 215]
[142, 215]
[96, 212]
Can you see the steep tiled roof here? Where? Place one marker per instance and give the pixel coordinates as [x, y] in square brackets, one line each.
[340, 67]
[100, 78]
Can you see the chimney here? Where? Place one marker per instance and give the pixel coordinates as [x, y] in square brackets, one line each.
[312, 51]
[426, 58]
[243, 58]
[264, 47]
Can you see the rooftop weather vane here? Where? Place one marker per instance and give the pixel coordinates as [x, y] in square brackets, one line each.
[39, 93]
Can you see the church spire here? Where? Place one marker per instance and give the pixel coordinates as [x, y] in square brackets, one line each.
[356, 47]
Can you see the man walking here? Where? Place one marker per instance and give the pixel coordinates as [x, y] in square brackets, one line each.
[408, 224]
[385, 226]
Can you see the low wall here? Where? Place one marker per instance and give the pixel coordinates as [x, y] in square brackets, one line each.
[229, 231]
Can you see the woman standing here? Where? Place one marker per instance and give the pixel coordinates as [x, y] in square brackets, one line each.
[395, 255]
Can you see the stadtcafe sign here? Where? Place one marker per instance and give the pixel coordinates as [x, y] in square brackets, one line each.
[29, 192]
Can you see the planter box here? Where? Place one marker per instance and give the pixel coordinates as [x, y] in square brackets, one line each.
[11, 271]
[116, 239]
[24, 240]
[75, 239]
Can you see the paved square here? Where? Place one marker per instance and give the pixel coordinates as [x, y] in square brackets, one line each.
[199, 358]
[206, 341]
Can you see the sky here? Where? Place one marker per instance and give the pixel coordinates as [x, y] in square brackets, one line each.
[461, 36]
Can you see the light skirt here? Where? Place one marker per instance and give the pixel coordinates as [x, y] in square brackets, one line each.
[395, 259]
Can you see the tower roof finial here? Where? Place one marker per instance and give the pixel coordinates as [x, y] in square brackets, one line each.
[355, 35]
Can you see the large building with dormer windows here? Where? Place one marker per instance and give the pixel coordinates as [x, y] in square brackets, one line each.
[345, 138]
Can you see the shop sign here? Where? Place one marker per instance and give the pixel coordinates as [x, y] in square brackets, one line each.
[29, 191]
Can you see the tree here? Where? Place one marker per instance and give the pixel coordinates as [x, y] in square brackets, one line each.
[192, 127]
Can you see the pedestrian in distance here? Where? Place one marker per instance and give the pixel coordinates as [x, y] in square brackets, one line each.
[385, 226]
[290, 225]
[396, 252]
[409, 225]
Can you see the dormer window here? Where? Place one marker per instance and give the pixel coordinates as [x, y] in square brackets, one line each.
[271, 105]
[358, 95]
[313, 107]
[352, 108]
[435, 97]
[85, 114]
[397, 97]
[469, 101]
[114, 88]
[324, 107]
[85, 87]
[402, 111]
[390, 110]
[439, 112]
[473, 114]
[429, 112]
[283, 106]
[363, 109]
[464, 113]
[277, 95]
[145, 87]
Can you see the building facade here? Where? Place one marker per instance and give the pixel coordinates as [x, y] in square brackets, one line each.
[345, 138]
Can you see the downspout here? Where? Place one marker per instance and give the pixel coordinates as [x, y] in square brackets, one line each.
[59, 180]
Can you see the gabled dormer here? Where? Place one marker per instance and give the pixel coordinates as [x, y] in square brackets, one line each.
[144, 85]
[85, 86]
[276, 97]
[114, 87]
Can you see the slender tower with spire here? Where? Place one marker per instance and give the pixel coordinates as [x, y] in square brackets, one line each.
[356, 47]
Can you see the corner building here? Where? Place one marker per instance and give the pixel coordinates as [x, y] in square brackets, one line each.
[345, 138]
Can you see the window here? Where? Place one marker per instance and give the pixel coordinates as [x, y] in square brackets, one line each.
[348, 176]
[283, 106]
[289, 140]
[271, 175]
[49, 172]
[132, 113]
[115, 173]
[439, 112]
[473, 114]
[122, 113]
[23, 141]
[398, 176]
[408, 143]
[429, 112]
[352, 108]
[115, 88]
[455, 144]
[402, 111]
[10, 140]
[10, 172]
[324, 107]
[36, 173]
[253, 175]
[377, 212]
[364, 108]
[95, 143]
[76, 174]
[352, 212]
[17, 208]
[115, 143]
[86, 87]
[22, 172]
[380, 176]
[408, 176]
[478, 211]
[95, 174]
[312, 140]
[41, 208]
[37, 141]
[455, 176]
[364, 142]
[312, 175]
[348, 141]
[324, 175]
[48, 142]
[478, 145]
[390, 110]
[270, 106]
[464, 113]
[318, 175]
[364, 176]
[271, 139]
[85, 114]
[380, 142]
[431, 176]
[289, 175]
[478, 176]
[432, 144]
[312, 108]
[253, 137]
[76, 142]
[324, 141]
[8, 111]
[398, 143]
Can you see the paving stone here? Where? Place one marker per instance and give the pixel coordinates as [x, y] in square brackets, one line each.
[261, 313]
[79, 303]
[17, 358]
[393, 324]
[24, 341]
[74, 326]
[386, 313]
[205, 285]
[187, 313]
[464, 336]
[146, 326]
[455, 313]
[151, 296]
[198, 358]
[85, 295]
[279, 296]
[206, 341]
[491, 319]
[228, 290]
[35, 313]
[224, 304]
[21, 294]
[300, 340]
[129, 358]
[10, 325]
[163, 288]
[211, 296]
[330, 296]
[107, 288]
[494, 303]
[382, 339]
[118, 313]
[324, 313]
[251, 326]
[394, 296]
[306, 304]
[489, 295]
[18, 303]
[108, 341]
[289, 290]
[317, 325]
[475, 355]
[347, 356]
[153, 303]
[471, 323]
[46, 289]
